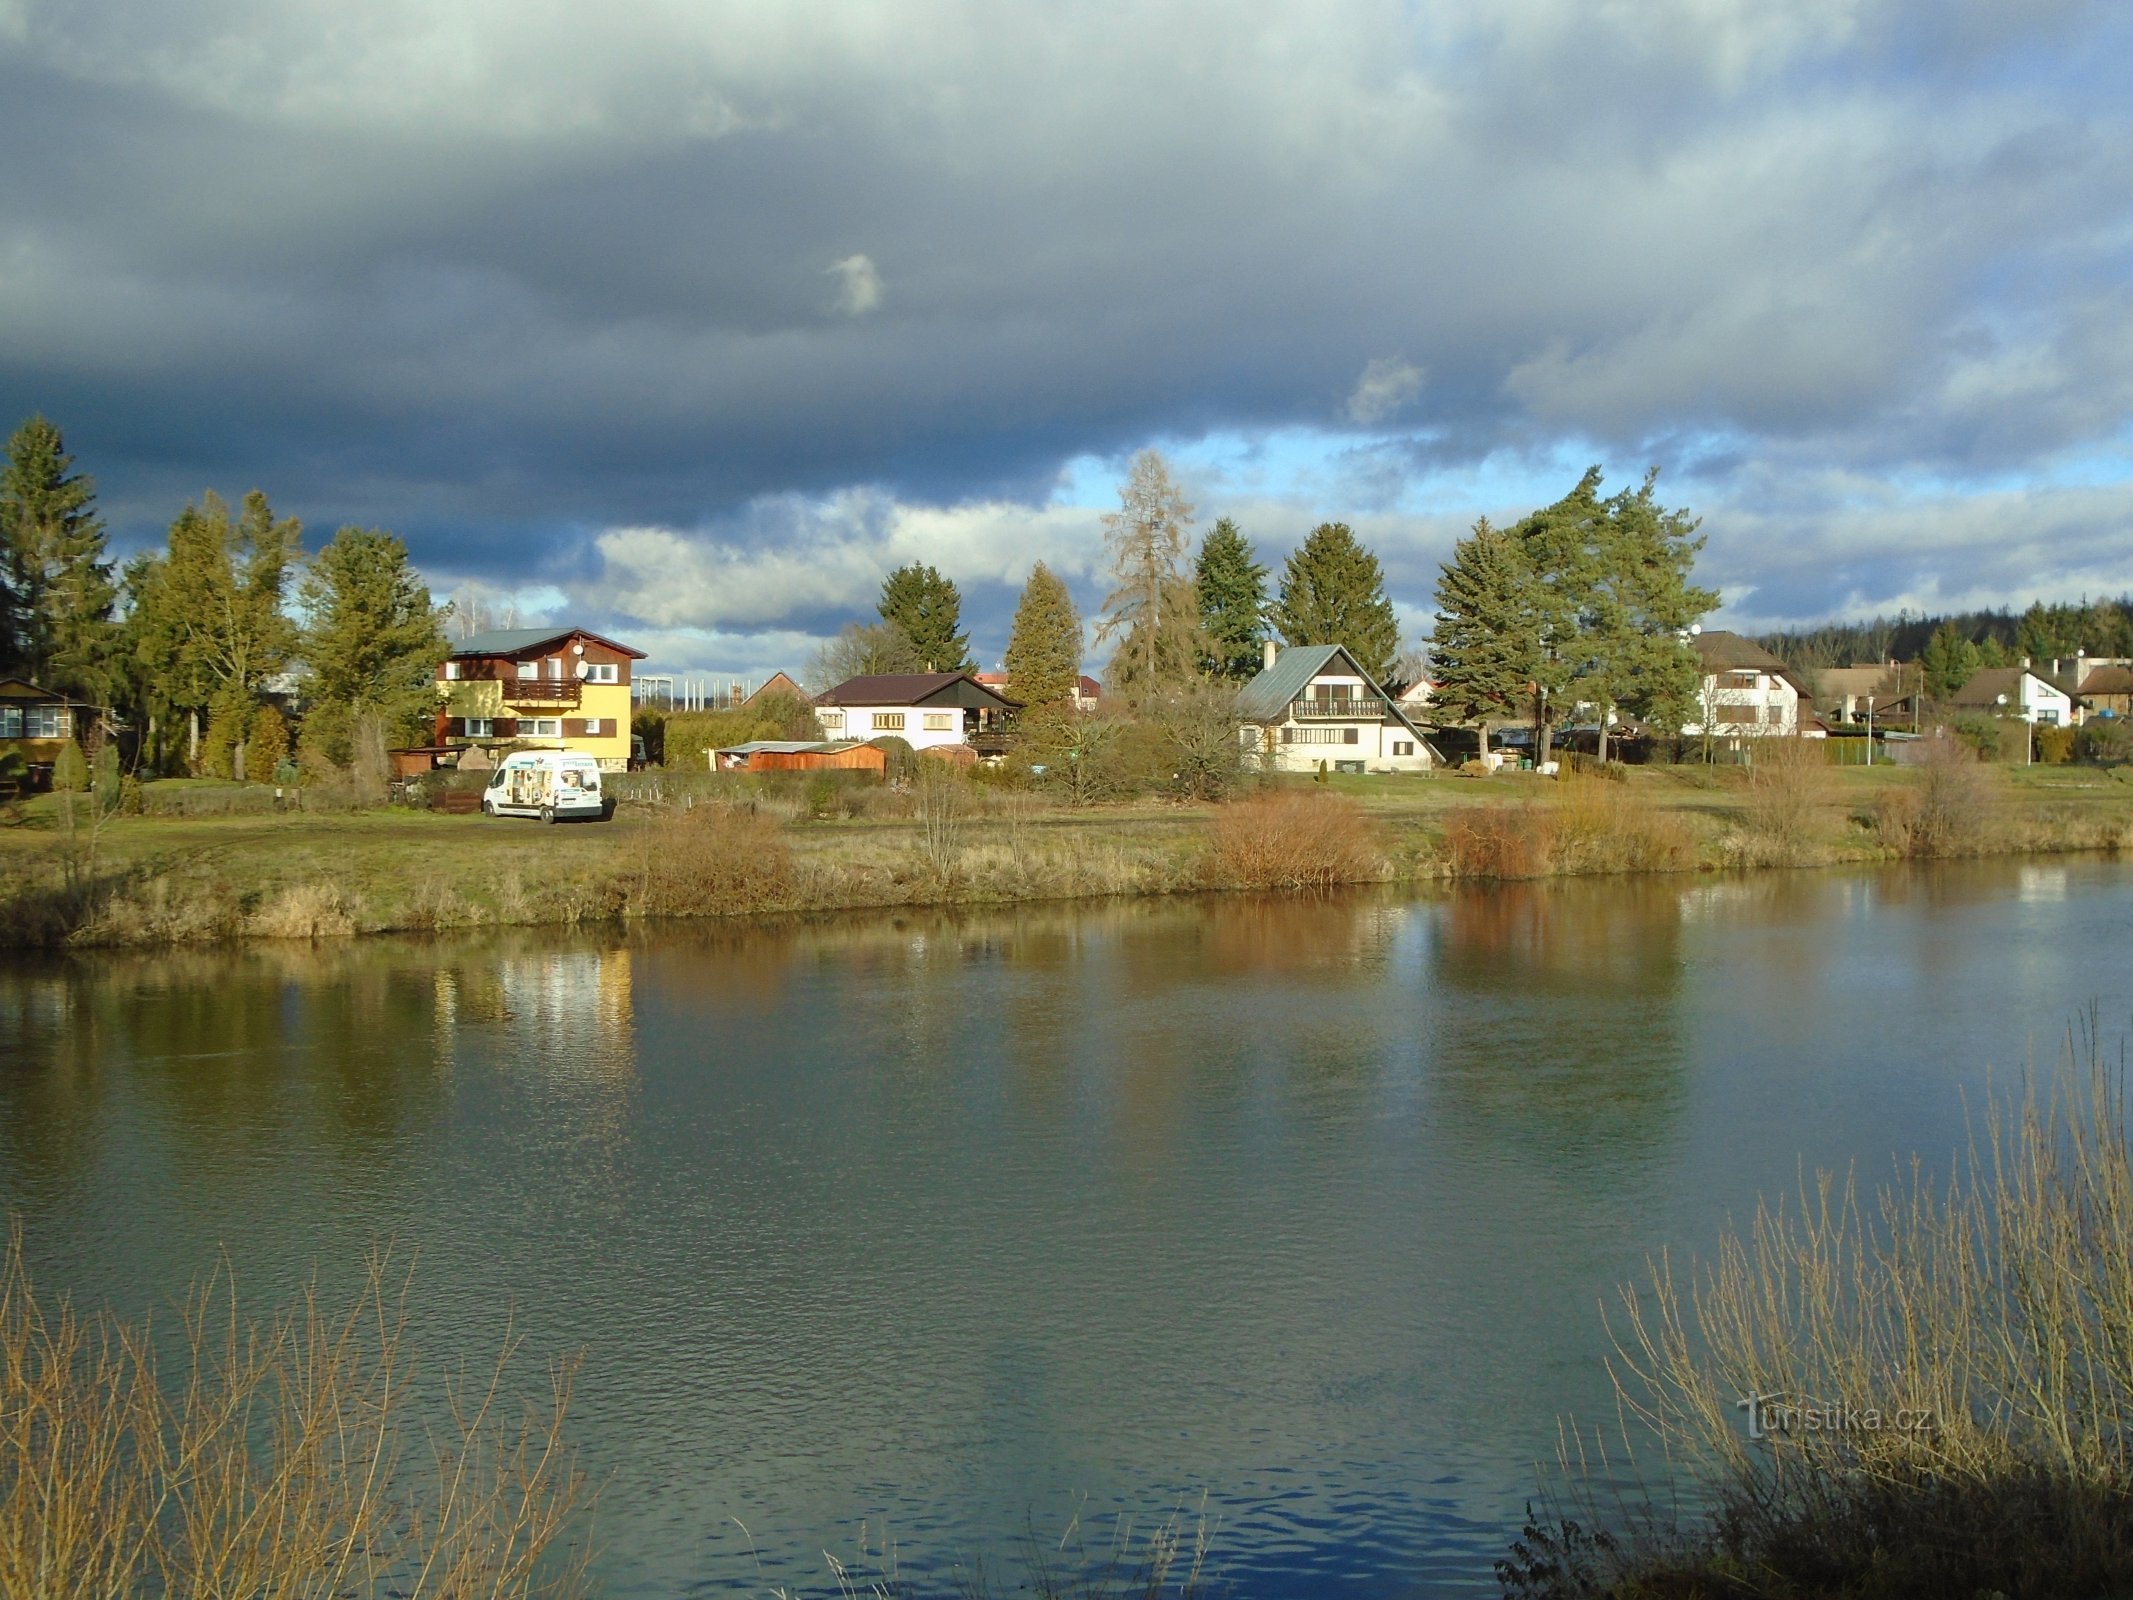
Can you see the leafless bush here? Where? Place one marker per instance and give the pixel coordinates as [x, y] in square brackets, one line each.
[1788, 799]
[1292, 839]
[1943, 812]
[282, 1458]
[942, 799]
[1499, 841]
[1600, 826]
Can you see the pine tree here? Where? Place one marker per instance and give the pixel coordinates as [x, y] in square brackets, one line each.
[929, 610]
[372, 639]
[1637, 606]
[1043, 661]
[1488, 644]
[1145, 539]
[1558, 544]
[1231, 588]
[58, 576]
[1333, 592]
[1950, 661]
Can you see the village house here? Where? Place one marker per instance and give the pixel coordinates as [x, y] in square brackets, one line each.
[2019, 691]
[2106, 689]
[1088, 693]
[1890, 691]
[538, 688]
[36, 723]
[924, 709]
[1745, 691]
[1312, 704]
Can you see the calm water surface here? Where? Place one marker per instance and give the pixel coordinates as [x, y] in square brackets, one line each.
[958, 1225]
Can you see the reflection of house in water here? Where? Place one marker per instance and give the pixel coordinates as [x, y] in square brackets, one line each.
[567, 1015]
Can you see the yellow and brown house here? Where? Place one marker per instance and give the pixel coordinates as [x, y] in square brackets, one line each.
[538, 688]
[36, 723]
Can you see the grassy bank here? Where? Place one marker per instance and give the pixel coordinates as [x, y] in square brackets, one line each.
[214, 862]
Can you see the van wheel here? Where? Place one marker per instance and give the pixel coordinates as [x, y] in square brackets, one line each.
[548, 813]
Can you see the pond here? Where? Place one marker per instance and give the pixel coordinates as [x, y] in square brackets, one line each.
[963, 1227]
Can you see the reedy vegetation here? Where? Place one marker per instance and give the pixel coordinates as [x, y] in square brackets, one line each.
[1974, 1329]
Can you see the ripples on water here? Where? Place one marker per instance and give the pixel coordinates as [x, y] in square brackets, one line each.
[966, 1226]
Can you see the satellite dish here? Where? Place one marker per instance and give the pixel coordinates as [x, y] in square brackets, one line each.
[583, 668]
[1694, 629]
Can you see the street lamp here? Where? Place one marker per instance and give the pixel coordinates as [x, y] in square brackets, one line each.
[1869, 730]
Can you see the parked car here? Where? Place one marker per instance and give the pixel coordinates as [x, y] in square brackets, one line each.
[554, 785]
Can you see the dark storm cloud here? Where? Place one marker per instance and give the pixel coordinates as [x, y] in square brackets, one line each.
[516, 284]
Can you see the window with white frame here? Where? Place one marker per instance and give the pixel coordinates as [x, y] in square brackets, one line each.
[451, 669]
[602, 672]
[481, 727]
[595, 727]
[1403, 747]
[44, 722]
[529, 669]
[888, 722]
[940, 721]
[541, 727]
[10, 722]
[832, 722]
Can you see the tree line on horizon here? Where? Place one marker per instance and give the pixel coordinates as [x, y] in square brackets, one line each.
[1953, 647]
[185, 642]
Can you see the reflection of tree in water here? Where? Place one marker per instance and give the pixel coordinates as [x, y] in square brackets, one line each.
[52, 1088]
[1556, 1020]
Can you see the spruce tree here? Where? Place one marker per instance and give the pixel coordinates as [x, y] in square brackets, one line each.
[57, 571]
[1043, 661]
[372, 639]
[1488, 642]
[929, 610]
[1333, 592]
[1231, 588]
[1950, 661]
[1637, 606]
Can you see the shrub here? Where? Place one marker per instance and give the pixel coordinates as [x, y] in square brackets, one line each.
[289, 1456]
[1942, 813]
[1292, 839]
[1600, 826]
[710, 860]
[2055, 746]
[1499, 841]
[303, 911]
[267, 746]
[1788, 794]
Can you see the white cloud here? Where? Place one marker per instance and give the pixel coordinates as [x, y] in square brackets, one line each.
[859, 285]
[1386, 386]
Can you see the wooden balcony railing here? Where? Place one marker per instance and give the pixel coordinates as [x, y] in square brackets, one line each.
[1358, 708]
[541, 691]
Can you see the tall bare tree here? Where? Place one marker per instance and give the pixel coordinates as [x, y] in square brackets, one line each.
[1146, 541]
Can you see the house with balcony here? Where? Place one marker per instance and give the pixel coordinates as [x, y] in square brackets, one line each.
[538, 688]
[1313, 703]
[1746, 692]
[924, 709]
[35, 725]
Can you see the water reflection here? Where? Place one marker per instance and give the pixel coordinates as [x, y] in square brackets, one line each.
[949, 1219]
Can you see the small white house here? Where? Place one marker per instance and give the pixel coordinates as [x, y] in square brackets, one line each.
[2015, 692]
[924, 709]
[1746, 692]
[1312, 703]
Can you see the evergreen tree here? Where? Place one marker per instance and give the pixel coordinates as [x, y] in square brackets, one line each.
[1145, 539]
[372, 639]
[216, 629]
[1637, 605]
[927, 607]
[61, 595]
[1488, 648]
[1950, 660]
[1043, 661]
[1559, 545]
[1333, 592]
[1231, 588]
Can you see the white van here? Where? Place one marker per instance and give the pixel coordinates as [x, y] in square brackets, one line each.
[554, 785]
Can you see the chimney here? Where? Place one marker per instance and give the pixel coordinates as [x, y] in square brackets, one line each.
[2025, 663]
[1268, 652]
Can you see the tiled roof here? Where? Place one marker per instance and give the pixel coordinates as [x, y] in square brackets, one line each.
[912, 689]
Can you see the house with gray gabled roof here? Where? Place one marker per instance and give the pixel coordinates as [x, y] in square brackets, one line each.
[1312, 703]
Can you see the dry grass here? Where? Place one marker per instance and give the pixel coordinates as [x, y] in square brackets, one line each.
[1592, 826]
[1292, 839]
[303, 911]
[1499, 841]
[283, 1458]
[1974, 1336]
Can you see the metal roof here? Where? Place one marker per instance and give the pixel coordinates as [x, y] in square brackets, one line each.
[1266, 698]
[513, 641]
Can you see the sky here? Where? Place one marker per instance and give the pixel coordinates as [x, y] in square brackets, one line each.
[688, 320]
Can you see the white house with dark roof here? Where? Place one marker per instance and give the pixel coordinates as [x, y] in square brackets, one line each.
[1746, 692]
[924, 709]
[1313, 703]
